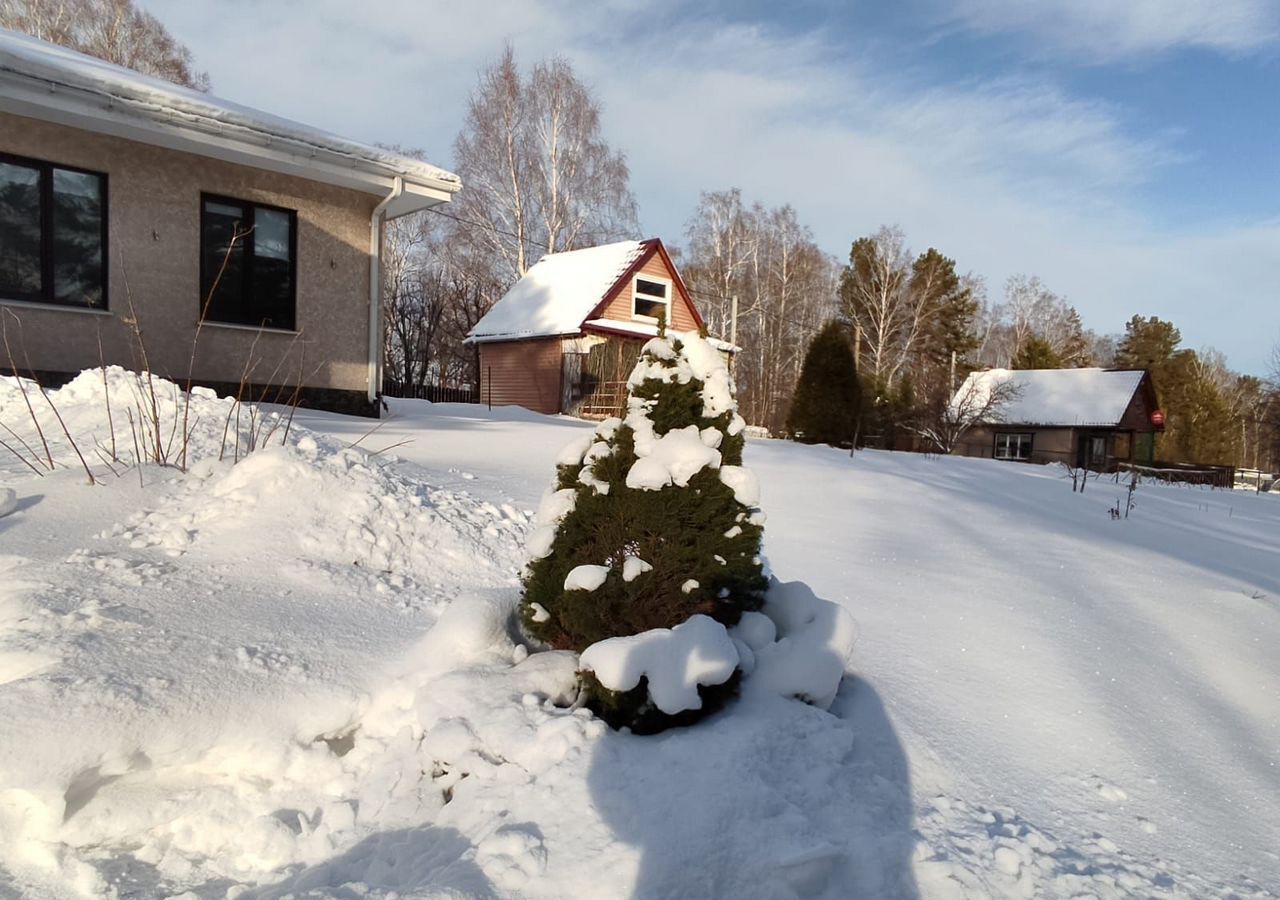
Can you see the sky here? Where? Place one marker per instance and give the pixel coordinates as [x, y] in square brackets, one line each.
[1125, 152]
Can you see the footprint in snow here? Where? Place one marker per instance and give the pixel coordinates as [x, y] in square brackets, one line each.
[512, 854]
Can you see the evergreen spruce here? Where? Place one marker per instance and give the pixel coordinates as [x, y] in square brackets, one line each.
[1036, 353]
[670, 552]
[825, 407]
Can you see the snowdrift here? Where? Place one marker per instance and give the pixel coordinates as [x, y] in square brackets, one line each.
[294, 676]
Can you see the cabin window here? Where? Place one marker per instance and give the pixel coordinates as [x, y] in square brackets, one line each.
[53, 234]
[652, 298]
[248, 256]
[1013, 445]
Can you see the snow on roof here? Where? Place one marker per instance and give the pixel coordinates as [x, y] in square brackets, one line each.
[1058, 397]
[557, 293]
[129, 95]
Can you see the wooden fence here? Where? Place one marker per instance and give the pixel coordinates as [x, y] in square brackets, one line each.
[1183, 473]
[436, 393]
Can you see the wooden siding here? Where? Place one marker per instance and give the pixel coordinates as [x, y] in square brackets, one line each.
[1138, 415]
[521, 373]
[619, 305]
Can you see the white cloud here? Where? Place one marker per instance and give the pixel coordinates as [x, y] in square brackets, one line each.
[1004, 174]
[1116, 30]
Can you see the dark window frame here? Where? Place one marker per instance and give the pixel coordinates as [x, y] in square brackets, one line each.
[995, 444]
[248, 262]
[46, 296]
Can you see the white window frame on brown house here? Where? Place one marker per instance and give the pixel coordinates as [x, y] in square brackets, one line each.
[636, 295]
[1012, 444]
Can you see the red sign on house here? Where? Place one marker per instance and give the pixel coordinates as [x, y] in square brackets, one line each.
[1157, 418]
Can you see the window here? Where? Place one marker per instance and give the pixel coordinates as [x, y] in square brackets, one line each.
[652, 299]
[1011, 445]
[247, 263]
[53, 234]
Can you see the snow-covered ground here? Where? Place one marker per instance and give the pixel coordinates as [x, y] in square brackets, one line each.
[293, 677]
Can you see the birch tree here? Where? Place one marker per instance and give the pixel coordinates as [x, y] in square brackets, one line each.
[539, 176]
[785, 286]
[117, 31]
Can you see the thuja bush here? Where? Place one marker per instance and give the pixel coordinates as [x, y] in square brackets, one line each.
[651, 521]
[825, 407]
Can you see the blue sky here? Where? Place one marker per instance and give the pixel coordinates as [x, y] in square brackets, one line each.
[1123, 150]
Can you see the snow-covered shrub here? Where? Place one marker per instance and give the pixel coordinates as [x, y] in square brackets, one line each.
[825, 407]
[651, 534]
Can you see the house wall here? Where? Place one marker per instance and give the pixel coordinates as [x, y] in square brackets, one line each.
[619, 305]
[1047, 444]
[153, 239]
[1138, 416]
[521, 373]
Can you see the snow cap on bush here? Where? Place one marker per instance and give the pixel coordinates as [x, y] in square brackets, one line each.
[652, 521]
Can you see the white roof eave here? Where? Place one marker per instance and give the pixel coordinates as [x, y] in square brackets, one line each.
[103, 113]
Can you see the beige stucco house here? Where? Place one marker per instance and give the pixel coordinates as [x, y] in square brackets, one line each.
[127, 199]
[565, 337]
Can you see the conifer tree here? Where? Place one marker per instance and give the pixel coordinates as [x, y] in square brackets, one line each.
[827, 399]
[651, 521]
[1036, 353]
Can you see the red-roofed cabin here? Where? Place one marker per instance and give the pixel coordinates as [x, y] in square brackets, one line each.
[565, 337]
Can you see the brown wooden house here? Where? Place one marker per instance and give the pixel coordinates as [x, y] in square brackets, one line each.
[1092, 418]
[565, 337]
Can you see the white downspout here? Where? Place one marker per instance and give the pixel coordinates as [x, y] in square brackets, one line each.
[375, 289]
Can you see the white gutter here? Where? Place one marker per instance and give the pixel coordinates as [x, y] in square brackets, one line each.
[234, 138]
[375, 289]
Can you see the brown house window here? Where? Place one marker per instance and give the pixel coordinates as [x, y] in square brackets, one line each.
[53, 234]
[248, 263]
[1012, 445]
[652, 299]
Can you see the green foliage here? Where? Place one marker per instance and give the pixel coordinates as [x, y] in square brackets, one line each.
[1036, 353]
[635, 710]
[949, 304]
[1199, 424]
[699, 532]
[913, 315]
[825, 407]
[1147, 344]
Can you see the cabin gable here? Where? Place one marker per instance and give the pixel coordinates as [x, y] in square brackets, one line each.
[634, 294]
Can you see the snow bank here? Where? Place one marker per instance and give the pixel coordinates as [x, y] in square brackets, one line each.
[305, 731]
[674, 660]
[800, 644]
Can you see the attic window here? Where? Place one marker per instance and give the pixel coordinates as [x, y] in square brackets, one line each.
[652, 298]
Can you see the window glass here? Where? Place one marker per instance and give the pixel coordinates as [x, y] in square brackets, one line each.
[1013, 446]
[650, 299]
[652, 288]
[272, 267]
[20, 227]
[252, 246]
[76, 239]
[222, 266]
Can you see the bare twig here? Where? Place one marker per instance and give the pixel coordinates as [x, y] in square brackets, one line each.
[35, 420]
[106, 393]
[26, 462]
[236, 235]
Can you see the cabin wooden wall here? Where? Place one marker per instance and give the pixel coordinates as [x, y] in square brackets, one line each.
[521, 373]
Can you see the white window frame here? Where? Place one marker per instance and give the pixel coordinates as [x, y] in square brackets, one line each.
[635, 294]
[1015, 438]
